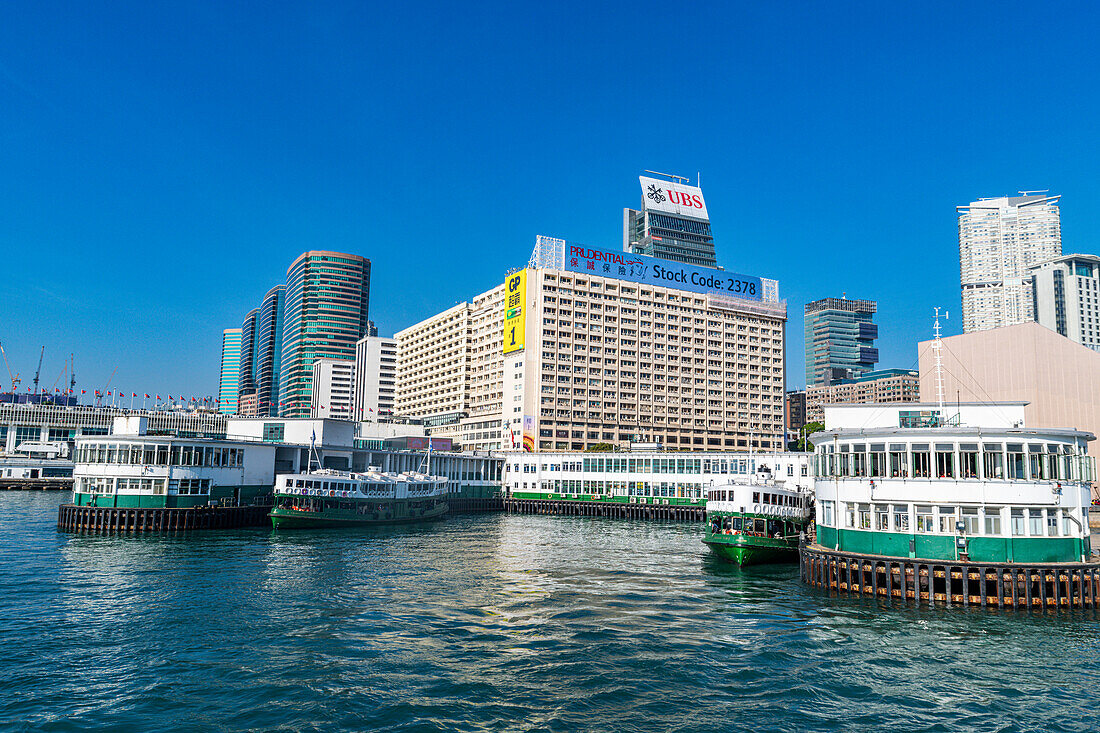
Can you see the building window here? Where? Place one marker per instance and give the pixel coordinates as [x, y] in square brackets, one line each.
[273, 432]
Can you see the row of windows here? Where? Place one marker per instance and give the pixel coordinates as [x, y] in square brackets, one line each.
[990, 521]
[658, 489]
[988, 461]
[615, 464]
[162, 454]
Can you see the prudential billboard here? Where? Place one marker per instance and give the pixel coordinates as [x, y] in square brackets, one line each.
[653, 271]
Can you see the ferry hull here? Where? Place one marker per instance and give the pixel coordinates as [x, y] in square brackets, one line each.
[282, 518]
[753, 551]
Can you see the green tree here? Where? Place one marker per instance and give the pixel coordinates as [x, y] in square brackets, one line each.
[600, 448]
[803, 443]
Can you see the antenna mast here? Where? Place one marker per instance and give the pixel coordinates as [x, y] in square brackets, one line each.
[937, 350]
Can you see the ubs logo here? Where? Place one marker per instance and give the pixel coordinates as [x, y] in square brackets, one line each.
[656, 193]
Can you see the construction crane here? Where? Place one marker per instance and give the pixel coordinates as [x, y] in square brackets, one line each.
[38, 371]
[72, 377]
[15, 380]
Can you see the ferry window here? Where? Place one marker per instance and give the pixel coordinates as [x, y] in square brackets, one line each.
[737, 523]
[947, 519]
[864, 516]
[922, 461]
[1052, 523]
[1014, 461]
[1035, 459]
[842, 464]
[1035, 522]
[924, 519]
[901, 518]
[992, 521]
[882, 515]
[993, 460]
[827, 518]
[1053, 464]
[850, 515]
[898, 460]
[162, 455]
[970, 520]
[968, 460]
[150, 454]
[878, 460]
[756, 497]
[859, 459]
[1018, 523]
[945, 460]
[759, 526]
[1066, 518]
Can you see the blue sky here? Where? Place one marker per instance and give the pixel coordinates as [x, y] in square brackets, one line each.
[162, 164]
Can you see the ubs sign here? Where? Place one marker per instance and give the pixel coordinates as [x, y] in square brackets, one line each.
[673, 198]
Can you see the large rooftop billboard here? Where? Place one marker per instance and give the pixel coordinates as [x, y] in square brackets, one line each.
[673, 198]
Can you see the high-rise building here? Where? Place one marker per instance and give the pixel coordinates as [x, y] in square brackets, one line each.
[327, 299]
[1000, 239]
[375, 377]
[840, 339]
[796, 409]
[269, 340]
[228, 380]
[1066, 297]
[588, 346]
[247, 384]
[672, 223]
[333, 381]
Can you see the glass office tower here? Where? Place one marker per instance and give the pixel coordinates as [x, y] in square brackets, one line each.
[840, 340]
[229, 378]
[671, 224]
[269, 340]
[327, 298]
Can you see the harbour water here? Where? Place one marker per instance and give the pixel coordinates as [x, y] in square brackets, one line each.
[495, 622]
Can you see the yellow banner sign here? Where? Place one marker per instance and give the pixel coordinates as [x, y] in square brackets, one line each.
[515, 317]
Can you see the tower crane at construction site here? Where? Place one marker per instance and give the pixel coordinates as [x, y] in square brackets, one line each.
[15, 380]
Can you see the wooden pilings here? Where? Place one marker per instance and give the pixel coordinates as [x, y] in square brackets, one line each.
[475, 505]
[952, 583]
[116, 520]
[606, 509]
[50, 483]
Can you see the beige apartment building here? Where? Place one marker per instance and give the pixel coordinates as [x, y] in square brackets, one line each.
[573, 351]
[882, 386]
[1058, 378]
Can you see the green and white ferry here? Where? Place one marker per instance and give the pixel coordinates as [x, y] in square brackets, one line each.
[328, 498]
[758, 521]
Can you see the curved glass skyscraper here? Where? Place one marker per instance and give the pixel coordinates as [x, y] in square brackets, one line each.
[269, 342]
[327, 298]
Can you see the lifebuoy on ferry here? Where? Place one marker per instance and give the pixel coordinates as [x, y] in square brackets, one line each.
[756, 509]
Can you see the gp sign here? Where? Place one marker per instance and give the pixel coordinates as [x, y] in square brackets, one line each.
[653, 271]
[515, 302]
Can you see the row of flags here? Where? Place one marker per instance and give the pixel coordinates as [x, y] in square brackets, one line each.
[211, 401]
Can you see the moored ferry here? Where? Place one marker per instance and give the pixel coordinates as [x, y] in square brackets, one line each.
[328, 498]
[756, 522]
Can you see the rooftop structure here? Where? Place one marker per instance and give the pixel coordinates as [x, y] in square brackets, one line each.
[671, 224]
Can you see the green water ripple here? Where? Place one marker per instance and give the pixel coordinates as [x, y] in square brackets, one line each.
[495, 623]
